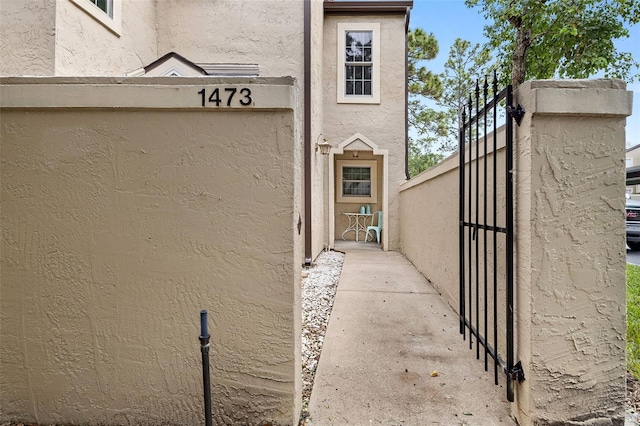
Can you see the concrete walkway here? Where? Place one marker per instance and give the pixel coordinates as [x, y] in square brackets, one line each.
[389, 331]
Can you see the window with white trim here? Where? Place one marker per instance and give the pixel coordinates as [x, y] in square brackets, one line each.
[358, 63]
[357, 181]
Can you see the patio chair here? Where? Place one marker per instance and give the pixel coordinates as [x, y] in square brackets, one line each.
[377, 229]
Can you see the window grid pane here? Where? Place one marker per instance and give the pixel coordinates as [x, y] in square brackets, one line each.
[356, 173]
[358, 67]
[358, 80]
[358, 46]
[356, 189]
[356, 181]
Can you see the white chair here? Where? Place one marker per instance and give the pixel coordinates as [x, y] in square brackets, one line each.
[377, 229]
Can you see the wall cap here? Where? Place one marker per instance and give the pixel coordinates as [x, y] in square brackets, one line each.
[147, 93]
[599, 83]
[149, 81]
[452, 162]
[599, 97]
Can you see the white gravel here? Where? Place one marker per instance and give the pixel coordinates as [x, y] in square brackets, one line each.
[318, 291]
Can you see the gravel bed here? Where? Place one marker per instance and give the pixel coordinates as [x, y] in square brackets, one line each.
[318, 291]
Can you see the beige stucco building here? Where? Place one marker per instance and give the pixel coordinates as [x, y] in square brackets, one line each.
[632, 159]
[159, 157]
[165, 156]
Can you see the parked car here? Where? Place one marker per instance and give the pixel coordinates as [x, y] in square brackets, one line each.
[633, 223]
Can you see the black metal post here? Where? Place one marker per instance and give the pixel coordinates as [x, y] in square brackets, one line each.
[462, 178]
[204, 348]
[495, 227]
[477, 230]
[471, 234]
[509, 242]
[485, 89]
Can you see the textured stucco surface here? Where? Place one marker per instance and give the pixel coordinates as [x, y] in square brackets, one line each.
[569, 242]
[86, 47]
[27, 37]
[56, 37]
[382, 123]
[429, 214]
[118, 226]
[266, 32]
[571, 251]
[319, 162]
[429, 229]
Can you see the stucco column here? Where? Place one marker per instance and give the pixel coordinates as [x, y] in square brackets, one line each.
[127, 207]
[570, 241]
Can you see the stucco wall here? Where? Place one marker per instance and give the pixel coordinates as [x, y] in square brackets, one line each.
[59, 37]
[27, 37]
[85, 47]
[384, 123]
[429, 217]
[119, 224]
[319, 180]
[569, 243]
[266, 32]
[570, 231]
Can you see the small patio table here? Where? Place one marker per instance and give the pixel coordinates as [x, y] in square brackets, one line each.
[357, 223]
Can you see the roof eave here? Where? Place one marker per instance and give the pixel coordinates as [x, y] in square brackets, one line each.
[170, 55]
[367, 7]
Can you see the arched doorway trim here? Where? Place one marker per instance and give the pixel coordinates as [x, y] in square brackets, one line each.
[359, 142]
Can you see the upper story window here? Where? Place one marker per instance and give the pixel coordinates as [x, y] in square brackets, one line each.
[106, 12]
[105, 5]
[358, 63]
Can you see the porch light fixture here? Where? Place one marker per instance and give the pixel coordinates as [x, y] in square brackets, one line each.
[324, 146]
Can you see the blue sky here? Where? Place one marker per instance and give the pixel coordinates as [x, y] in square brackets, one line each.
[450, 19]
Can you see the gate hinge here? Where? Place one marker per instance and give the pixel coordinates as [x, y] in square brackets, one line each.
[516, 113]
[517, 373]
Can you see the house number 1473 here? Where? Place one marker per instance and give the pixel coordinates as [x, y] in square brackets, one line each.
[226, 96]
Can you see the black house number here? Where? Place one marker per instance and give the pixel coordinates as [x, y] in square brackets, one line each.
[228, 96]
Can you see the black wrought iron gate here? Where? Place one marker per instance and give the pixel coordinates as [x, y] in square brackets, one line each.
[486, 230]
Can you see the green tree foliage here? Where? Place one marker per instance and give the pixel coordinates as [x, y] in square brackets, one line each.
[420, 161]
[466, 64]
[537, 39]
[427, 124]
[423, 47]
[437, 129]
